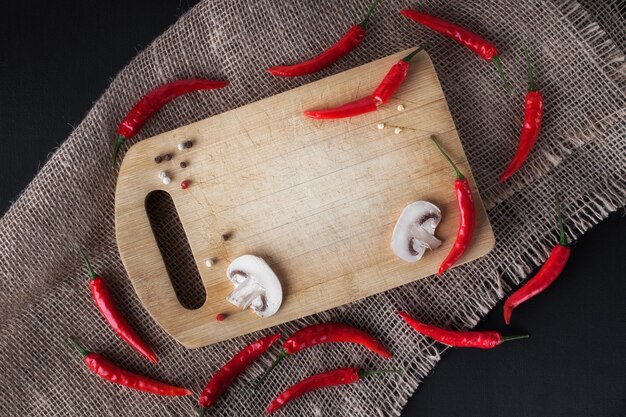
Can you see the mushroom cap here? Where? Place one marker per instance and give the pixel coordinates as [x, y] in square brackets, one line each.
[415, 231]
[255, 276]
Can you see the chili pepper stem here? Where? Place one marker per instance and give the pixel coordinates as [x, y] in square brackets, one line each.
[459, 175]
[559, 215]
[365, 374]
[418, 50]
[498, 64]
[282, 355]
[78, 347]
[532, 86]
[516, 337]
[366, 19]
[118, 144]
[201, 411]
[90, 271]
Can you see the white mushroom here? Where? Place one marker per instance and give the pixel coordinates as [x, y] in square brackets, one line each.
[256, 285]
[415, 231]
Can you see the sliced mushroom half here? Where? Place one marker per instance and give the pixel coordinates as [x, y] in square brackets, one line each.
[415, 231]
[256, 285]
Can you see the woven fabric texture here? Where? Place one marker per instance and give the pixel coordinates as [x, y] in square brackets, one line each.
[581, 152]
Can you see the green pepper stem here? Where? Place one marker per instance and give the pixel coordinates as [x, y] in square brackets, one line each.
[201, 411]
[412, 54]
[498, 63]
[365, 374]
[366, 19]
[281, 355]
[532, 86]
[459, 175]
[90, 271]
[559, 216]
[516, 337]
[78, 347]
[118, 144]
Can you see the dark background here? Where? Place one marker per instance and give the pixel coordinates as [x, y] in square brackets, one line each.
[56, 58]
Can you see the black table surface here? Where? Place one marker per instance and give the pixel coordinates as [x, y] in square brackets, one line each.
[58, 57]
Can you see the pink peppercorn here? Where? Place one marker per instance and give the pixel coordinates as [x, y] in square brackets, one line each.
[184, 185]
[220, 317]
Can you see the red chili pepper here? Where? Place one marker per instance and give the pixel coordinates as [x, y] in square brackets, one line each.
[325, 333]
[394, 78]
[105, 303]
[154, 101]
[533, 114]
[467, 214]
[342, 376]
[475, 43]
[347, 43]
[106, 369]
[235, 367]
[383, 93]
[481, 340]
[354, 108]
[548, 273]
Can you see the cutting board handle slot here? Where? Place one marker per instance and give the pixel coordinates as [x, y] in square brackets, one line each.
[174, 247]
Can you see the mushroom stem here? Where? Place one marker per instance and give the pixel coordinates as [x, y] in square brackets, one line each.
[422, 235]
[245, 293]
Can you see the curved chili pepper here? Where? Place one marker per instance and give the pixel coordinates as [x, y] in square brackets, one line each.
[481, 340]
[105, 303]
[394, 78]
[533, 114]
[467, 213]
[342, 376]
[548, 273]
[106, 369]
[325, 333]
[154, 101]
[354, 108]
[235, 367]
[347, 43]
[383, 93]
[471, 40]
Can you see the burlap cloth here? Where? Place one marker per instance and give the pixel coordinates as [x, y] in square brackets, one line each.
[44, 297]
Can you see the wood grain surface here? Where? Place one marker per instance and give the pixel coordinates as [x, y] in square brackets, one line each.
[317, 200]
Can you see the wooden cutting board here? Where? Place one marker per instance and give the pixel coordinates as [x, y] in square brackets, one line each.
[317, 200]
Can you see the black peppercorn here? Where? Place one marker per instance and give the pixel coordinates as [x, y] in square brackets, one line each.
[183, 164]
[168, 156]
[188, 144]
[158, 159]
